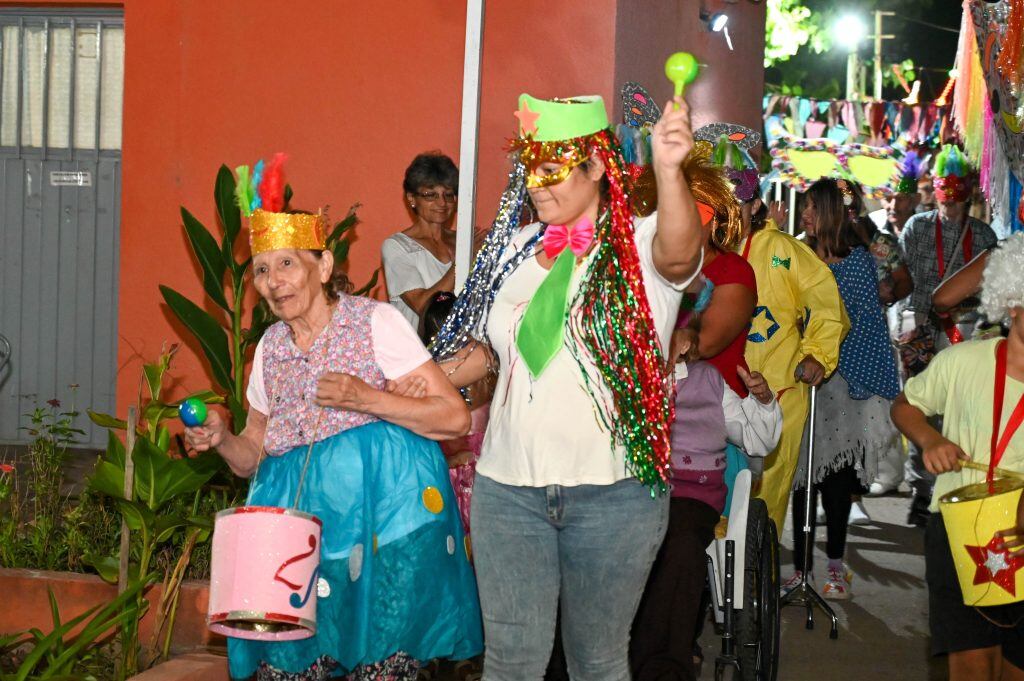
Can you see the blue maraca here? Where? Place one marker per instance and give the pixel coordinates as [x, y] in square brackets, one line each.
[192, 412]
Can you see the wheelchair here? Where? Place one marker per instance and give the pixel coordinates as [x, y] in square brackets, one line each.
[743, 575]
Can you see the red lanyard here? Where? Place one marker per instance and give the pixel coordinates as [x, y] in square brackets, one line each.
[1000, 443]
[968, 246]
[952, 332]
[746, 247]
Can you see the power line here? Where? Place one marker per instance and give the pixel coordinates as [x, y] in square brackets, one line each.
[927, 23]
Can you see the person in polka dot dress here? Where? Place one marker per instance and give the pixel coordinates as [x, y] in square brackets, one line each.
[853, 422]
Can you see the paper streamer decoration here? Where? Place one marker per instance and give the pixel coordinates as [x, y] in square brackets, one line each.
[989, 23]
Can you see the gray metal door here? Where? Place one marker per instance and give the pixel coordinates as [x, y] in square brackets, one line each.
[61, 89]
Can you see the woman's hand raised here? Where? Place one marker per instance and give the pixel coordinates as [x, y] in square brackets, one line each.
[672, 137]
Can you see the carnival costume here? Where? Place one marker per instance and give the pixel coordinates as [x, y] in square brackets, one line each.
[396, 585]
[569, 497]
[607, 323]
[795, 291]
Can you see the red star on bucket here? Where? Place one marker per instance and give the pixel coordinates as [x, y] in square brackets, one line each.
[527, 119]
[995, 564]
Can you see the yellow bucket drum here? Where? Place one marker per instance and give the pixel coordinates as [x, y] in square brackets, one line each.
[989, 574]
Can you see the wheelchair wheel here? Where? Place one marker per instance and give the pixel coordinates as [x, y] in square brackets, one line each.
[757, 624]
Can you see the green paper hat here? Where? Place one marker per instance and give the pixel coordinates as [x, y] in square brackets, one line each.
[553, 121]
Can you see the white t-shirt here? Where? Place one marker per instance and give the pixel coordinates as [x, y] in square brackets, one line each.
[396, 347]
[546, 431]
[407, 267]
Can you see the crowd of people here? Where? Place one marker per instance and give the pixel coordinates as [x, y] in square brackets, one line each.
[655, 329]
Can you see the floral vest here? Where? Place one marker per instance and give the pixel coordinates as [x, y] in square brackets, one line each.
[291, 375]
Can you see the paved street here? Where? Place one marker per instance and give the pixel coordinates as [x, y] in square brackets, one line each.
[884, 628]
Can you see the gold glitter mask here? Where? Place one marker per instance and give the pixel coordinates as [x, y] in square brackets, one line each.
[274, 231]
[535, 181]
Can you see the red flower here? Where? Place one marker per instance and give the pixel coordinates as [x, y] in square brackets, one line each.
[6, 468]
[55, 403]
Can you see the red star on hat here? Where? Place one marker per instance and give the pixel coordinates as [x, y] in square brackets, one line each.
[995, 564]
[527, 119]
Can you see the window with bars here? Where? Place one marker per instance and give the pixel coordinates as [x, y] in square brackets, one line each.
[61, 81]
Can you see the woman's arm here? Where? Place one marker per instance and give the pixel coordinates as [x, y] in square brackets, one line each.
[242, 451]
[469, 365]
[818, 299]
[965, 283]
[441, 415]
[419, 298]
[676, 250]
[726, 317]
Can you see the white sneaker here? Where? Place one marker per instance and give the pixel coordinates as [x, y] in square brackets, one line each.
[878, 489]
[859, 514]
[793, 582]
[837, 587]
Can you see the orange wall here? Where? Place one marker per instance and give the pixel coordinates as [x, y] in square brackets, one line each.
[352, 91]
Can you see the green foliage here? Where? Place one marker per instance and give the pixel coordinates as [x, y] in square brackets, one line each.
[32, 528]
[225, 343]
[155, 512]
[801, 59]
[58, 655]
[790, 25]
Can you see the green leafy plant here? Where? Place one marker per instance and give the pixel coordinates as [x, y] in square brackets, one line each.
[223, 339]
[32, 529]
[152, 511]
[58, 655]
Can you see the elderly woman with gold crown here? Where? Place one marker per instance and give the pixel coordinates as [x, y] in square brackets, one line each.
[573, 312]
[396, 586]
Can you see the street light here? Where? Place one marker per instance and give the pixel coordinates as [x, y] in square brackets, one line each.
[849, 31]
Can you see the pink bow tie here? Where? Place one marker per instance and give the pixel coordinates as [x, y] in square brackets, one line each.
[578, 238]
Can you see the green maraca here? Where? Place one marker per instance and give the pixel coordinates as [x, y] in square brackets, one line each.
[682, 69]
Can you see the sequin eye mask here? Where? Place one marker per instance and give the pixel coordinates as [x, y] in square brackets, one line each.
[745, 183]
[535, 181]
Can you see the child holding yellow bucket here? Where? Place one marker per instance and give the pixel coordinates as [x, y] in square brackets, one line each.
[978, 388]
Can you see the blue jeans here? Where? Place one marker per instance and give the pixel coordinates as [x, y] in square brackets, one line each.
[592, 546]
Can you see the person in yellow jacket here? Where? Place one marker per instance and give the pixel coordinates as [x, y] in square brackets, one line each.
[798, 325]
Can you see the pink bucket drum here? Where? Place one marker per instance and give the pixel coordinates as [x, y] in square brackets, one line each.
[263, 578]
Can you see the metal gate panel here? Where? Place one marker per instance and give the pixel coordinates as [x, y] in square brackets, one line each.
[61, 93]
[59, 273]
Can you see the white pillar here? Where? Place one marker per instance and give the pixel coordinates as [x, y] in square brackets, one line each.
[468, 145]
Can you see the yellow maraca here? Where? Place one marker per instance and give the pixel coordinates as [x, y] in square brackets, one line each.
[682, 69]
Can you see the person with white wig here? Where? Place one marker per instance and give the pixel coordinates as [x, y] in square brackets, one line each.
[974, 386]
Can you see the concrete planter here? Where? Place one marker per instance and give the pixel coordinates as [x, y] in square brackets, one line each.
[26, 605]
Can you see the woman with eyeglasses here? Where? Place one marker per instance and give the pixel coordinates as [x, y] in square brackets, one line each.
[419, 261]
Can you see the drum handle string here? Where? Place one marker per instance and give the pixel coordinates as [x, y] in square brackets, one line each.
[309, 454]
[305, 465]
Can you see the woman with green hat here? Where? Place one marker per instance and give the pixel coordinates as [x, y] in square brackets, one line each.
[573, 313]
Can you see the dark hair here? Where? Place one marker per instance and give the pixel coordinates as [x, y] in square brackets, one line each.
[437, 311]
[833, 231]
[758, 218]
[431, 169]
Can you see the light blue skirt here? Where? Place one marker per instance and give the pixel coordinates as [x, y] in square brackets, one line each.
[393, 553]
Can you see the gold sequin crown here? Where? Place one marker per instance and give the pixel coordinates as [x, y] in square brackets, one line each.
[273, 231]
